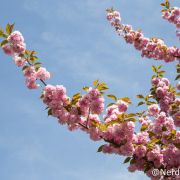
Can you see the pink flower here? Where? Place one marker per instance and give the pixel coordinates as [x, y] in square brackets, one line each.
[117, 20]
[42, 73]
[19, 48]
[109, 16]
[19, 61]
[178, 85]
[116, 13]
[140, 151]
[153, 110]
[122, 106]
[7, 50]
[15, 38]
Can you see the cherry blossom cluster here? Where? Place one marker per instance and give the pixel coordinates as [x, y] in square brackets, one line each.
[157, 145]
[172, 17]
[150, 47]
[32, 75]
[17, 44]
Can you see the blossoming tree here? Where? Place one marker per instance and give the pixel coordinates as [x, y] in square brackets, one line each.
[157, 145]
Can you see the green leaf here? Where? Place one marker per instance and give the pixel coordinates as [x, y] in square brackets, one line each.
[154, 141]
[132, 119]
[36, 69]
[141, 103]
[131, 115]
[154, 69]
[100, 148]
[178, 70]
[159, 67]
[163, 146]
[173, 132]
[167, 4]
[85, 88]
[163, 5]
[111, 104]
[36, 64]
[21, 55]
[35, 57]
[177, 145]
[94, 122]
[4, 42]
[102, 84]
[8, 29]
[147, 169]
[11, 28]
[95, 82]
[112, 122]
[151, 134]
[178, 94]
[5, 35]
[103, 88]
[177, 77]
[140, 96]
[41, 96]
[102, 93]
[153, 76]
[126, 99]
[108, 10]
[127, 160]
[50, 112]
[164, 128]
[112, 96]
[132, 161]
[76, 95]
[144, 127]
[164, 10]
[162, 72]
[25, 67]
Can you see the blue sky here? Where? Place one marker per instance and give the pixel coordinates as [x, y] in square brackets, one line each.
[76, 44]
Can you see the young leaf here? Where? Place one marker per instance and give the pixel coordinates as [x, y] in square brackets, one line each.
[163, 5]
[100, 148]
[167, 3]
[127, 160]
[154, 141]
[159, 67]
[41, 96]
[140, 96]
[144, 127]
[154, 69]
[25, 67]
[111, 104]
[177, 77]
[11, 28]
[112, 96]
[94, 122]
[102, 84]
[108, 10]
[85, 88]
[164, 10]
[4, 42]
[126, 99]
[103, 88]
[21, 55]
[132, 161]
[95, 82]
[141, 103]
[37, 63]
[76, 95]
[8, 29]
[50, 112]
